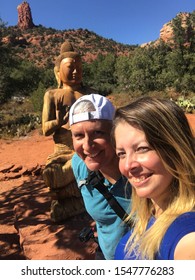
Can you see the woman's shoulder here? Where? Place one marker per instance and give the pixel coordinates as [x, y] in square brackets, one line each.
[185, 247]
[185, 219]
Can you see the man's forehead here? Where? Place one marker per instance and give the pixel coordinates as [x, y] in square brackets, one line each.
[92, 124]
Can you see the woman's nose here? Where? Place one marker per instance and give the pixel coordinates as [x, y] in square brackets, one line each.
[131, 163]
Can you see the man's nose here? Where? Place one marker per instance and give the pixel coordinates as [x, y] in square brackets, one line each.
[88, 143]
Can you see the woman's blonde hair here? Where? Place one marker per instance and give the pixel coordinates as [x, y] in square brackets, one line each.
[168, 132]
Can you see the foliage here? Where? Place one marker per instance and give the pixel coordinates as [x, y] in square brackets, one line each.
[37, 97]
[99, 73]
[24, 78]
[187, 104]
[154, 69]
[20, 126]
[122, 73]
[20, 120]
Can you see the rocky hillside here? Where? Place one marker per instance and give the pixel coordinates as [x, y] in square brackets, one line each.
[32, 42]
[167, 32]
[45, 43]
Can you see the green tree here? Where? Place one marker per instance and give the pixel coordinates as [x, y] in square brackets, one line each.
[102, 73]
[47, 77]
[7, 60]
[142, 77]
[122, 73]
[180, 62]
[37, 97]
[25, 78]
[179, 33]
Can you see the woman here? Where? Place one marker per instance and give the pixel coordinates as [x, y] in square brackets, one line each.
[156, 150]
[90, 119]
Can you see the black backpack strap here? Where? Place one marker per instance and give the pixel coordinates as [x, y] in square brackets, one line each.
[96, 181]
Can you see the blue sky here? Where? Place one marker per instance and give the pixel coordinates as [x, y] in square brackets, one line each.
[125, 21]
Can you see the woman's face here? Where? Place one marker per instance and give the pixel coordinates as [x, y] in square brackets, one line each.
[140, 163]
[92, 142]
[71, 71]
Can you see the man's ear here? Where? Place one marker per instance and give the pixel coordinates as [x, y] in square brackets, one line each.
[57, 76]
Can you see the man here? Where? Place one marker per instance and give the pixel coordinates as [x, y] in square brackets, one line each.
[90, 119]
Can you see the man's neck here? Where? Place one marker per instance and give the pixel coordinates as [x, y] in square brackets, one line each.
[111, 172]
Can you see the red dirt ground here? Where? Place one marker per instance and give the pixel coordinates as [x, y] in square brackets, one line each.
[26, 231]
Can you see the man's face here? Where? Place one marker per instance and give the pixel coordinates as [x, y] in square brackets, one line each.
[71, 71]
[92, 142]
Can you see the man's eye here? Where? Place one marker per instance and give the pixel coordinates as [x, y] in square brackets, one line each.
[99, 132]
[78, 136]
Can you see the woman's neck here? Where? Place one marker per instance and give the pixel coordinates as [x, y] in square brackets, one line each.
[161, 204]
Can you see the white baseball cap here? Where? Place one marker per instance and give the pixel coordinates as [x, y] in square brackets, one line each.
[104, 110]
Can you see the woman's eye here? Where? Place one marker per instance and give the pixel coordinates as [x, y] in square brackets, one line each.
[143, 149]
[121, 154]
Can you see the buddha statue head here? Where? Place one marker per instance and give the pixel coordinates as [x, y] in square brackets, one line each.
[68, 66]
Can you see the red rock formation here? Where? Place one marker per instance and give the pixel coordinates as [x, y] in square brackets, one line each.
[25, 20]
[166, 33]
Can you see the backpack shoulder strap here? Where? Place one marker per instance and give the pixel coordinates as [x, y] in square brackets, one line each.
[95, 180]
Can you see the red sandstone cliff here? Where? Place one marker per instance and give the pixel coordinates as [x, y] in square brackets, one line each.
[166, 33]
[25, 20]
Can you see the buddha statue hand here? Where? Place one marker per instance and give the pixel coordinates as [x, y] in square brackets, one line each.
[62, 115]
